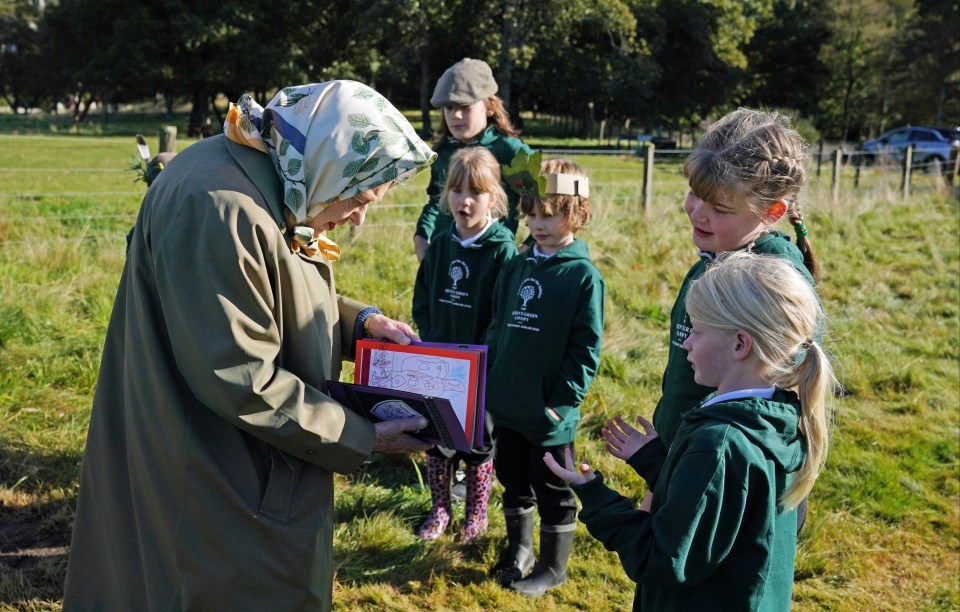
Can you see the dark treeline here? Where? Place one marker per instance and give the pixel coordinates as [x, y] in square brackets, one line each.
[847, 68]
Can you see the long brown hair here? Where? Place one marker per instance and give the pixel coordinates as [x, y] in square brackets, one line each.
[500, 120]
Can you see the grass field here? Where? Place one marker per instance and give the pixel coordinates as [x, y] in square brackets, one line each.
[884, 528]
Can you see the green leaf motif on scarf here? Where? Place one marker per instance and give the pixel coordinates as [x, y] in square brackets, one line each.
[284, 145]
[358, 120]
[245, 124]
[370, 165]
[351, 169]
[359, 143]
[393, 125]
[390, 174]
[363, 93]
[293, 199]
[388, 139]
[292, 100]
[294, 165]
[380, 103]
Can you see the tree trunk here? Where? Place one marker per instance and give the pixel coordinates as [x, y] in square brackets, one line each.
[215, 111]
[198, 114]
[427, 129]
[505, 81]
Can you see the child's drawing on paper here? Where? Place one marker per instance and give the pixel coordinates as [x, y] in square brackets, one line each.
[426, 375]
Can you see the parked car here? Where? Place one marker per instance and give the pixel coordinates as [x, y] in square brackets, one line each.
[660, 142]
[930, 144]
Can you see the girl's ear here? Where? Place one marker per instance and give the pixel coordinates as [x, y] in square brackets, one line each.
[776, 210]
[743, 344]
[489, 108]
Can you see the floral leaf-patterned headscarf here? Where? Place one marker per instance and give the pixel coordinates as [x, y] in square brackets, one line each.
[329, 142]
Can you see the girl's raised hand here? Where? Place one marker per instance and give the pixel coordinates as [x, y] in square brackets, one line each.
[621, 440]
[570, 473]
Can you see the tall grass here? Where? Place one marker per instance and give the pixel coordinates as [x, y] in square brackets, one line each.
[884, 526]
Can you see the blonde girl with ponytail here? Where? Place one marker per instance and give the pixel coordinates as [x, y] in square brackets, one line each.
[718, 531]
[765, 298]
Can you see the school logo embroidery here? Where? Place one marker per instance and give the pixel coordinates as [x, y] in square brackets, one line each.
[525, 318]
[452, 296]
[458, 270]
[681, 332]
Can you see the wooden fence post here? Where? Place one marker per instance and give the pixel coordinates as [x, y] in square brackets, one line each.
[168, 139]
[647, 177]
[856, 171]
[907, 163]
[837, 161]
[954, 173]
[819, 157]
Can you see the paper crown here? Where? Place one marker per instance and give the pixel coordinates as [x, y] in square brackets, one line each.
[568, 184]
[523, 176]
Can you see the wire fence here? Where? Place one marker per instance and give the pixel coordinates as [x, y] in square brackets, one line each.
[838, 165]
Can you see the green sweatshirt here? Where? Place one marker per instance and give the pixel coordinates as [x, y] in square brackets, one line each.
[679, 391]
[432, 221]
[452, 297]
[716, 538]
[544, 343]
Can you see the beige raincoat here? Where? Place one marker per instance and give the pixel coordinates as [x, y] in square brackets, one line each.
[207, 481]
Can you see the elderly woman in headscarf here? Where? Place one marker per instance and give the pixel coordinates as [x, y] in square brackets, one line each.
[207, 481]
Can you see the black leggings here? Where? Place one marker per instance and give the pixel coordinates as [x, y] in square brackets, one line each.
[527, 481]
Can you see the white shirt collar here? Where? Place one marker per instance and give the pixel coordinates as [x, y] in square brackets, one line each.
[539, 253]
[468, 241]
[729, 395]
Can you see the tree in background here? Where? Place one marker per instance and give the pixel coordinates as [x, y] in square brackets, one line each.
[783, 57]
[926, 59]
[598, 66]
[853, 67]
[700, 48]
[25, 67]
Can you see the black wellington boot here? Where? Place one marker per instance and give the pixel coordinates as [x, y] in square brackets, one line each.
[517, 561]
[551, 569]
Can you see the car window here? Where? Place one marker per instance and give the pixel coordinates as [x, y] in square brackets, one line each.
[898, 137]
[949, 133]
[923, 135]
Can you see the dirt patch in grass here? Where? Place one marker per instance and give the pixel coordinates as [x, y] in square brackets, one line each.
[34, 542]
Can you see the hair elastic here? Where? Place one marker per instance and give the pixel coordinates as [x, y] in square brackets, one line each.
[801, 229]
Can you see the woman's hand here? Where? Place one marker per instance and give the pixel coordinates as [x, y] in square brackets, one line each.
[383, 328]
[570, 473]
[622, 441]
[392, 437]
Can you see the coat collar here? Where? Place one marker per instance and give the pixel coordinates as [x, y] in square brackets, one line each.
[259, 169]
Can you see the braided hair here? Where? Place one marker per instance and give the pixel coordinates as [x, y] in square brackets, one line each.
[754, 156]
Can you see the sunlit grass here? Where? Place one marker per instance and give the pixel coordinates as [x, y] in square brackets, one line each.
[884, 528]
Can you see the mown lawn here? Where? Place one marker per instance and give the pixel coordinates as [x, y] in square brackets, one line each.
[884, 528]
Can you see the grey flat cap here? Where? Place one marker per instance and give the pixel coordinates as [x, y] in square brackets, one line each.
[464, 83]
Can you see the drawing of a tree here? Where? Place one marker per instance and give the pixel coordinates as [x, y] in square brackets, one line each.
[456, 273]
[526, 293]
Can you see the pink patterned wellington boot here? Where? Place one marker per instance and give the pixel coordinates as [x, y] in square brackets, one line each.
[438, 476]
[479, 481]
